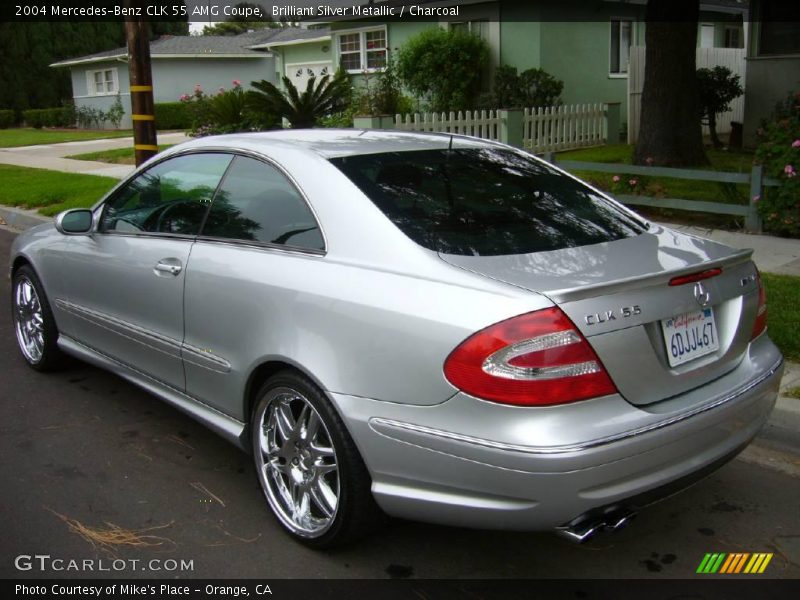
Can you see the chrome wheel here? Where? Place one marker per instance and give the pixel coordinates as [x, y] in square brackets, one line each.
[297, 463]
[29, 320]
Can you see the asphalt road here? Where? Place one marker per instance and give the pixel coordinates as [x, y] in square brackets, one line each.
[82, 448]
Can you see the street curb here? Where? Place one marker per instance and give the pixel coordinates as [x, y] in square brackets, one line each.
[786, 413]
[20, 219]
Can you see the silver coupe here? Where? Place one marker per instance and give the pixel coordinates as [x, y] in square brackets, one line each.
[427, 326]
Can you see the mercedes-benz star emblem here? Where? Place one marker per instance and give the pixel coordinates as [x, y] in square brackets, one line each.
[701, 294]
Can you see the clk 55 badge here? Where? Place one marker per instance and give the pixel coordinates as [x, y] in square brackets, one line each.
[609, 315]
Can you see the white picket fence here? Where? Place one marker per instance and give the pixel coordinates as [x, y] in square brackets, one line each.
[708, 58]
[547, 129]
[483, 124]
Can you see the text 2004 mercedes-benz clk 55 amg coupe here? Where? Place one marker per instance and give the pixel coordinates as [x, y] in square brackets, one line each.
[429, 326]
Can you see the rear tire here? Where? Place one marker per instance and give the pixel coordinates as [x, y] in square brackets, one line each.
[34, 325]
[310, 470]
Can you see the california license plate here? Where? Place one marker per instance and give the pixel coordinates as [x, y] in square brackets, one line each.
[690, 335]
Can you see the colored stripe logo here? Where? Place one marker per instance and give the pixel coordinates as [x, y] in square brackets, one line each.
[734, 563]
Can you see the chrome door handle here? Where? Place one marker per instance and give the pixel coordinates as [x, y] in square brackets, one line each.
[168, 268]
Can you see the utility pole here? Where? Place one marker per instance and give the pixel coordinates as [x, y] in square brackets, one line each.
[141, 81]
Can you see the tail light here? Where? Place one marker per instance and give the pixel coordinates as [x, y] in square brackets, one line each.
[535, 359]
[760, 326]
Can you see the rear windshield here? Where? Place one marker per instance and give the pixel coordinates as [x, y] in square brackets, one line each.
[485, 201]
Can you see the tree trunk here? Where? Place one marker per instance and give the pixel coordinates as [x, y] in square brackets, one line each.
[670, 134]
[712, 131]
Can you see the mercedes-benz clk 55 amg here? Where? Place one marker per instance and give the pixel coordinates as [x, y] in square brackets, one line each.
[428, 326]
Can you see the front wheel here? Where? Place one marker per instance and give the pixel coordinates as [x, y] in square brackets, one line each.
[312, 475]
[34, 324]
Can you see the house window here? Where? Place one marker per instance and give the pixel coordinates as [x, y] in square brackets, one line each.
[621, 40]
[733, 37]
[363, 50]
[777, 28]
[479, 28]
[103, 82]
[707, 35]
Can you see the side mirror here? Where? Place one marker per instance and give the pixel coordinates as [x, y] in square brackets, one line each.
[76, 221]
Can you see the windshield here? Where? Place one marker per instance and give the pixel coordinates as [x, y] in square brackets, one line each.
[485, 201]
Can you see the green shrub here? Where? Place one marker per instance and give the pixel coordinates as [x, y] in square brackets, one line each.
[443, 67]
[531, 88]
[172, 115]
[90, 118]
[718, 87]
[63, 116]
[321, 98]
[779, 152]
[115, 113]
[7, 119]
[227, 111]
[379, 94]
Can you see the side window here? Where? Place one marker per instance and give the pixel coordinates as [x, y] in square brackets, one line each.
[171, 197]
[257, 203]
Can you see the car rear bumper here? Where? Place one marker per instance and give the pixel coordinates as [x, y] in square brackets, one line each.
[472, 463]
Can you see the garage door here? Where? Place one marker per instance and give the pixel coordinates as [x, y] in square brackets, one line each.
[300, 73]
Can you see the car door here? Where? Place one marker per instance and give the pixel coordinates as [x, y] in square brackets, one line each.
[252, 272]
[125, 280]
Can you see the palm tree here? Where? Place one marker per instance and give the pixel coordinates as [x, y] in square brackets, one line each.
[320, 98]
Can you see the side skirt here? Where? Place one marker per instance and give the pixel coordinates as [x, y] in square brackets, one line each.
[229, 428]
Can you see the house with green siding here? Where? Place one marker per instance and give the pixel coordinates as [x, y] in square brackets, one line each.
[583, 43]
[773, 62]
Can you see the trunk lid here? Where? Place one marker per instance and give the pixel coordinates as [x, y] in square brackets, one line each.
[619, 295]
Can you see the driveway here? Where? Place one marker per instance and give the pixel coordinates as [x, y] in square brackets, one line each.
[52, 156]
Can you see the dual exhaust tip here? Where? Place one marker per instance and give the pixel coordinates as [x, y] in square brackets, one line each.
[582, 530]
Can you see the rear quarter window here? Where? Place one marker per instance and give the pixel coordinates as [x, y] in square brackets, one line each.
[485, 201]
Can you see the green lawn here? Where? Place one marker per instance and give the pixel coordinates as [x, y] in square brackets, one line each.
[50, 191]
[667, 187]
[118, 156]
[783, 313]
[721, 160]
[11, 138]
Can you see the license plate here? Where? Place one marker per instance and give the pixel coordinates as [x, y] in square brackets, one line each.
[690, 335]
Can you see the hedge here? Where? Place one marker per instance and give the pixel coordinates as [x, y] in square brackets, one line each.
[49, 117]
[7, 119]
[172, 115]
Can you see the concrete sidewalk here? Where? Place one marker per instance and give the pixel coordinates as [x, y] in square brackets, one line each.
[53, 156]
[771, 254]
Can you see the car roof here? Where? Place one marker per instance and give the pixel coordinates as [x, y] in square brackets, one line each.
[333, 143]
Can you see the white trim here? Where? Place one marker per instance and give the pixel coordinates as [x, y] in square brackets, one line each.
[86, 61]
[98, 59]
[292, 42]
[309, 62]
[83, 96]
[359, 29]
[634, 23]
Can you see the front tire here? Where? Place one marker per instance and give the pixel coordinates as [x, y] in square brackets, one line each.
[313, 477]
[34, 325]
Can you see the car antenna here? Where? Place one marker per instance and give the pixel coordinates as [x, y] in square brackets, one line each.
[450, 147]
